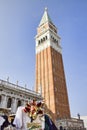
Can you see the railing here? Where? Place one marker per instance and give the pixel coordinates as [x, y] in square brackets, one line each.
[6, 83]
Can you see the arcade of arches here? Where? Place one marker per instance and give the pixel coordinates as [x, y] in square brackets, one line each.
[10, 102]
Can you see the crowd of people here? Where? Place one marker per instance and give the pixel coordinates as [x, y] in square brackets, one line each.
[32, 113]
[49, 125]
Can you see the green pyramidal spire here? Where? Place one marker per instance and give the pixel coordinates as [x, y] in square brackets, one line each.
[45, 17]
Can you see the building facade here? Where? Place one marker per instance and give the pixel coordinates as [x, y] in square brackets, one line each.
[12, 95]
[50, 77]
[84, 118]
[70, 124]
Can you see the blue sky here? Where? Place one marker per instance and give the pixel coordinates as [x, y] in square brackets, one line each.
[19, 20]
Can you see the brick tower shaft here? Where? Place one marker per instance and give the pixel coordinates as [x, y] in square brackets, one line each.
[50, 77]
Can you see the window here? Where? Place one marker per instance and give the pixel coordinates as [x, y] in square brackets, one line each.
[38, 42]
[19, 103]
[46, 37]
[9, 102]
[41, 40]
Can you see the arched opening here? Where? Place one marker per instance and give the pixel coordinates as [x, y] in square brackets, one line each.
[39, 42]
[19, 103]
[43, 39]
[46, 37]
[9, 102]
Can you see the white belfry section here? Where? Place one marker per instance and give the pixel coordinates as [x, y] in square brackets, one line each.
[47, 44]
[47, 35]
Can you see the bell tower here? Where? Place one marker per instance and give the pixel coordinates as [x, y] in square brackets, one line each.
[50, 77]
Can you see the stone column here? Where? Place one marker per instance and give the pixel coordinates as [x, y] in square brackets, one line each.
[4, 101]
[14, 105]
[22, 103]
